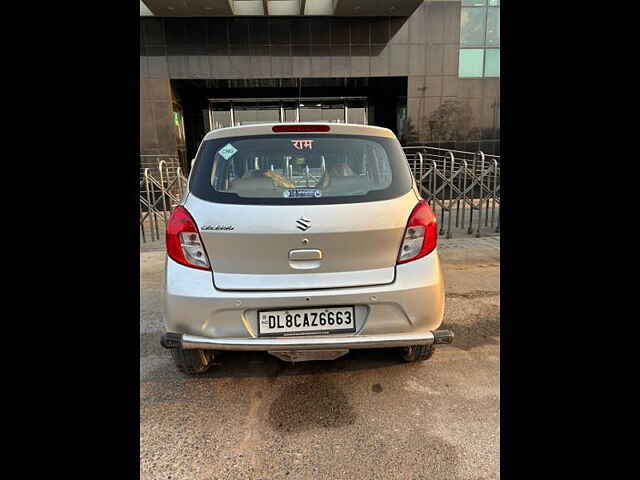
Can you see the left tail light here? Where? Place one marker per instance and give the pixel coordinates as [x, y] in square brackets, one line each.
[184, 244]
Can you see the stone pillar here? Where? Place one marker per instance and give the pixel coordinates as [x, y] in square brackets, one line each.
[157, 134]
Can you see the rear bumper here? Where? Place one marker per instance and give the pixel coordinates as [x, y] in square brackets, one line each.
[173, 340]
[405, 312]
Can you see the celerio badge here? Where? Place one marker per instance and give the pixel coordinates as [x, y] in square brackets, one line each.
[217, 227]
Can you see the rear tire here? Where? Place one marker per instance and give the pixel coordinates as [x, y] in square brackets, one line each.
[192, 362]
[417, 353]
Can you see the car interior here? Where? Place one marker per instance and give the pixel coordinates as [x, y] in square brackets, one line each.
[260, 175]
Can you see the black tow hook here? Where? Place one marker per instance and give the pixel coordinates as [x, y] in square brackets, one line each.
[171, 340]
[443, 336]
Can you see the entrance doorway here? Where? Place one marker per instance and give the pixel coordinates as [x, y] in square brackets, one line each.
[211, 104]
[244, 111]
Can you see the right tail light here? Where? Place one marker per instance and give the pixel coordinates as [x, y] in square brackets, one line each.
[421, 234]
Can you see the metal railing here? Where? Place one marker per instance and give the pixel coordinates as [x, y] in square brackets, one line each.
[462, 188]
[162, 187]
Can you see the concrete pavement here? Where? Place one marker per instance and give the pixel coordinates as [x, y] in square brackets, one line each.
[365, 415]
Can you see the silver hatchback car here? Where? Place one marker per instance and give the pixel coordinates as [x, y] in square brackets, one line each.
[304, 241]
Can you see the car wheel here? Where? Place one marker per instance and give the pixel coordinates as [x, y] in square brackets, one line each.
[417, 353]
[191, 362]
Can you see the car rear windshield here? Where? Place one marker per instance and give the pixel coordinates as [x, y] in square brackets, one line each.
[300, 169]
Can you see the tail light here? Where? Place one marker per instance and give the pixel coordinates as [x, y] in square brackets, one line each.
[184, 244]
[421, 234]
[300, 128]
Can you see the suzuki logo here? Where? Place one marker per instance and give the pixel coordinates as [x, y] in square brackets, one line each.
[303, 224]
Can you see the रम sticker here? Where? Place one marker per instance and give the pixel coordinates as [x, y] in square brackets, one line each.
[302, 144]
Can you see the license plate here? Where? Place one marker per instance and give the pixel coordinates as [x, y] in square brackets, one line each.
[307, 320]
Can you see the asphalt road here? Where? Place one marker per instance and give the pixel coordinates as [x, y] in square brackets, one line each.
[365, 415]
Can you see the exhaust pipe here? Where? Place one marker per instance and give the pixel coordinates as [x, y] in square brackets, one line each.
[444, 336]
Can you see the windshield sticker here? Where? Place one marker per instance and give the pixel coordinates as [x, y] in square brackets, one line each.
[302, 144]
[227, 151]
[302, 193]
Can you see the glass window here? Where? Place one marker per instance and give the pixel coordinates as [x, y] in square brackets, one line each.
[359, 31]
[320, 112]
[493, 26]
[472, 27]
[470, 64]
[221, 118]
[339, 32]
[334, 167]
[333, 115]
[308, 114]
[290, 115]
[300, 169]
[492, 65]
[357, 115]
[268, 114]
[479, 37]
[283, 7]
[244, 115]
[256, 114]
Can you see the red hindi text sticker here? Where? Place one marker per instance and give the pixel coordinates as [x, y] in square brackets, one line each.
[302, 144]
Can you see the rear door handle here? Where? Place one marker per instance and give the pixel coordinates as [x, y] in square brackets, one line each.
[305, 254]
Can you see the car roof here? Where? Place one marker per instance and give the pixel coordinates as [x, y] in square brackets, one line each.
[266, 129]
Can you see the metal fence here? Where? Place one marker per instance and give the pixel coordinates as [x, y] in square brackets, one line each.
[462, 188]
[162, 186]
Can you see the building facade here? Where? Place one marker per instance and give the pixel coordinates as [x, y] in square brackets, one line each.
[429, 70]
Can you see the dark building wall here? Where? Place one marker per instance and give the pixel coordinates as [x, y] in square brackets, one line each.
[423, 48]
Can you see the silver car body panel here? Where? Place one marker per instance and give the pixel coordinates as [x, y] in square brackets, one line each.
[359, 243]
[258, 265]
